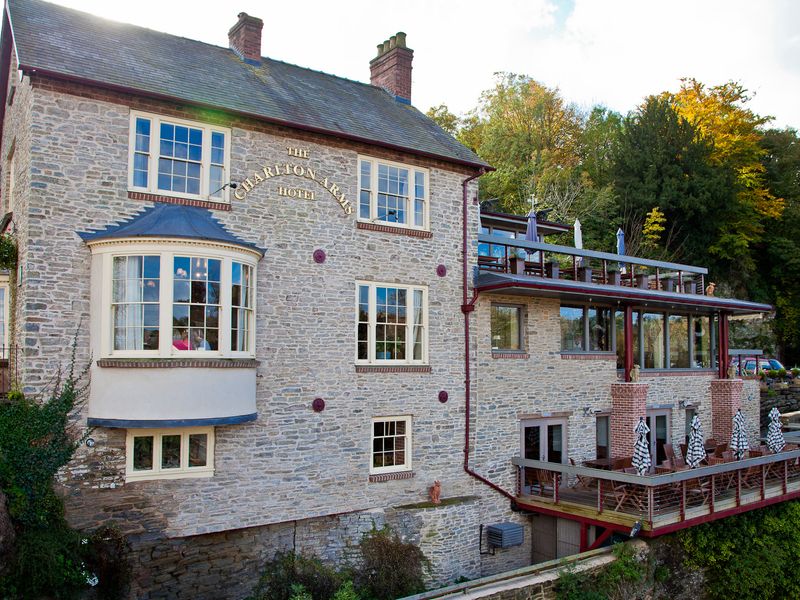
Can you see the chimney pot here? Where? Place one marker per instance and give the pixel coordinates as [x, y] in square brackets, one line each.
[244, 38]
[391, 68]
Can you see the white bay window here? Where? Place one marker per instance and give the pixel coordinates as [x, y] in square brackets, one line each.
[166, 301]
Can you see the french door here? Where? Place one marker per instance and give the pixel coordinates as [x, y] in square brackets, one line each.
[659, 423]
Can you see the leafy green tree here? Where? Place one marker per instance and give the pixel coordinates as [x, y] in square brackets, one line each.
[778, 255]
[444, 118]
[661, 161]
[530, 135]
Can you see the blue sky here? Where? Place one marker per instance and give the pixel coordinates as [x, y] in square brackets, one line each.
[610, 52]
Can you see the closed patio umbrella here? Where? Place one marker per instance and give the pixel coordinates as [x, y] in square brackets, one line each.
[577, 236]
[620, 244]
[641, 450]
[775, 439]
[695, 450]
[739, 443]
[531, 233]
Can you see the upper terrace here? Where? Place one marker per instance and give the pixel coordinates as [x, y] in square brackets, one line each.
[633, 287]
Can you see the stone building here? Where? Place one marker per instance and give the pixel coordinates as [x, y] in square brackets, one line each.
[278, 280]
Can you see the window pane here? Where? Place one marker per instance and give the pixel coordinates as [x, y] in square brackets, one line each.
[196, 303]
[678, 342]
[599, 329]
[135, 301]
[170, 452]
[555, 443]
[532, 442]
[505, 327]
[198, 450]
[653, 340]
[702, 342]
[143, 453]
[603, 437]
[392, 194]
[571, 328]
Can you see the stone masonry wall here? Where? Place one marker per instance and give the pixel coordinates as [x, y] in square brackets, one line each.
[294, 478]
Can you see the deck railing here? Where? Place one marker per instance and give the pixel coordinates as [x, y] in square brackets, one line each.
[661, 500]
[522, 257]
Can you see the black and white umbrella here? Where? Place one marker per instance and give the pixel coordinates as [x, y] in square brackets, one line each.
[695, 451]
[739, 443]
[641, 450]
[775, 439]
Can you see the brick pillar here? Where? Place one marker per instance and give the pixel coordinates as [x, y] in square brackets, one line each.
[726, 399]
[628, 403]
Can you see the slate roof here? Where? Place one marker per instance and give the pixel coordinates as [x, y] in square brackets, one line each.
[170, 221]
[64, 42]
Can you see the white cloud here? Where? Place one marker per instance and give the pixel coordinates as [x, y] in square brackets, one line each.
[613, 52]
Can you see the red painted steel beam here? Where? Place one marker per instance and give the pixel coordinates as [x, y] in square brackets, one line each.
[600, 539]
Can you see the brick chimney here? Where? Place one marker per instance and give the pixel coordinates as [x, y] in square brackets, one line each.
[244, 38]
[391, 69]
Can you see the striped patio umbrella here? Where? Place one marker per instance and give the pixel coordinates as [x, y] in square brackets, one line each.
[695, 451]
[641, 450]
[739, 443]
[775, 439]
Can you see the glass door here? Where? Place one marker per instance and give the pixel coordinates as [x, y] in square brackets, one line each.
[659, 434]
[544, 440]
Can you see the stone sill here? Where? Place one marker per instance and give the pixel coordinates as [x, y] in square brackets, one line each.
[178, 363]
[445, 502]
[380, 478]
[677, 373]
[183, 201]
[417, 233]
[589, 356]
[522, 355]
[393, 369]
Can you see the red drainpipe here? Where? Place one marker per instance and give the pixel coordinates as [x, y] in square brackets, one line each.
[467, 307]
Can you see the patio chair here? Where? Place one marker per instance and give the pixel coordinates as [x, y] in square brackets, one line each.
[622, 463]
[544, 479]
[629, 495]
[720, 450]
[684, 450]
[581, 481]
[675, 461]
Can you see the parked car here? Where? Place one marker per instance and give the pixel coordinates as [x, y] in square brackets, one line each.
[765, 363]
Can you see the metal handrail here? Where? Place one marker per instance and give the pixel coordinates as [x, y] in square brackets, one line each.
[658, 480]
[608, 256]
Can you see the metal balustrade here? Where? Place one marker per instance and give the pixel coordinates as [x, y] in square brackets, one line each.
[662, 502]
[538, 259]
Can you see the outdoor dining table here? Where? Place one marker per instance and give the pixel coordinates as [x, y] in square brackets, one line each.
[599, 463]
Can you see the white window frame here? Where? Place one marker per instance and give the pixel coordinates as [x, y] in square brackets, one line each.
[407, 466]
[185, 471]
[373, 203]
[154, 153]
[409, 360]
[167, 251]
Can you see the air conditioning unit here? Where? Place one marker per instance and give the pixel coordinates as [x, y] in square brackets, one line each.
[505, 535]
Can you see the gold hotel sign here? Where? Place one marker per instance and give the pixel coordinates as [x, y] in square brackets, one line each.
[267, 172]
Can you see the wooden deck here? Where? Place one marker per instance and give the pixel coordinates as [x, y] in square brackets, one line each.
[660, 503]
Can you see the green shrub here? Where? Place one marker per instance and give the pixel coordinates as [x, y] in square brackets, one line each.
[346, 592]
[572, 585]
[795, 371]
[782, 373]
[49, 559]
[287, 570]
[390, 568]
[753, 555]
[772, 373]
